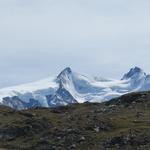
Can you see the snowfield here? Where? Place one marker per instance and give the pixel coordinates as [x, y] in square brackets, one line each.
[71, 87]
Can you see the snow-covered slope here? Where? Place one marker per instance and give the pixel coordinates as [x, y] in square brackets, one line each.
[71, 87]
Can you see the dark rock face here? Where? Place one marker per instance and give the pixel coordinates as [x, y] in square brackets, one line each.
[67, 71]
[134, 71]
[16, 103]
[32, 104]
[62, 97]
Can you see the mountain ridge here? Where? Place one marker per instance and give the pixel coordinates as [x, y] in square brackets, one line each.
[71, 87]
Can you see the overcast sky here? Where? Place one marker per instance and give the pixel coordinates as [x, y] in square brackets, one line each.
[38, 38]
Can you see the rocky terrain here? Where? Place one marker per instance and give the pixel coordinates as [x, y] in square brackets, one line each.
[120, 124]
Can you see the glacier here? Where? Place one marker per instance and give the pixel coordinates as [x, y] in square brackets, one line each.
[72, 87]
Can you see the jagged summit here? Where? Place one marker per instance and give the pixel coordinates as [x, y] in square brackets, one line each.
[135, 72]
[65, 72]
[65, 76]
[71, 87]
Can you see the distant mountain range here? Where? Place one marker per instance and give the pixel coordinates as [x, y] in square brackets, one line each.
[71, 87]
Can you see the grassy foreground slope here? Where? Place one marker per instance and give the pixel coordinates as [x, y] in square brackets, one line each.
[120, 124]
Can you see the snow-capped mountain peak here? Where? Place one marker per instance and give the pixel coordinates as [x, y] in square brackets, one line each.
[134, 73]
[65, 77]
[71, 87]
[67, 71]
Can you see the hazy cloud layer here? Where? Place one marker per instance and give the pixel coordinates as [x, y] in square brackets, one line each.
[101, 37]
